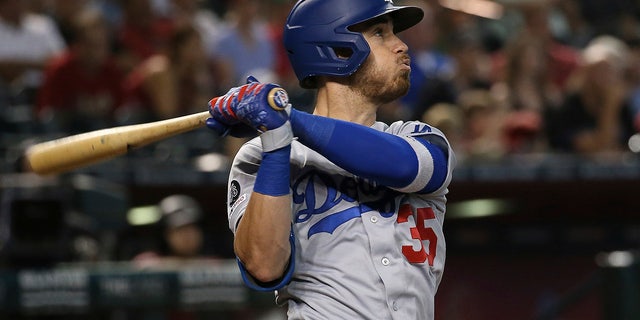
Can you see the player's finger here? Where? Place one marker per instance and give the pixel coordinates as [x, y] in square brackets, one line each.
[214, 108]
[223, 107]
[217, 126]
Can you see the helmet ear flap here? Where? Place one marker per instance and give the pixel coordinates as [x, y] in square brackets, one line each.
[340, 56]
[344, 53]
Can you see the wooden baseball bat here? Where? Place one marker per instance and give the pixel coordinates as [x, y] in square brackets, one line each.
[68, 153]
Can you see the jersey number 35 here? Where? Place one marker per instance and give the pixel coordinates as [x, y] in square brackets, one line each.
[419, 232]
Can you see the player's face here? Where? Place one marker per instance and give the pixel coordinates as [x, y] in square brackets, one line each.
[384, 76]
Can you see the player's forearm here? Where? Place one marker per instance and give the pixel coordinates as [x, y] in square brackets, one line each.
[262, 237]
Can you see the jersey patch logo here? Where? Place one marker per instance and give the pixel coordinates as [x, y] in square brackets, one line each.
[234, 192]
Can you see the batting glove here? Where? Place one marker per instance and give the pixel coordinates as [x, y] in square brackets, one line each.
[239, 130]
[223, 119]
[263, 107]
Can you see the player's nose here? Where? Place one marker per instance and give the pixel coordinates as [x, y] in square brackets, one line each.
[399, 46]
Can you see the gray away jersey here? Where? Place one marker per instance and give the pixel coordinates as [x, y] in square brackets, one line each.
[363, 251]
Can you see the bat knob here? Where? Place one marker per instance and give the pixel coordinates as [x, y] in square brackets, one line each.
[278, 99]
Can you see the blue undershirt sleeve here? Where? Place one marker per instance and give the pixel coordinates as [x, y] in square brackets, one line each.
[385, 158]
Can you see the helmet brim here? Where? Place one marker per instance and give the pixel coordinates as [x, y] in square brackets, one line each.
[405, 17]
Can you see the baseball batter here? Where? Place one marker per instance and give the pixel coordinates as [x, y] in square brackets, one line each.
[339, 214]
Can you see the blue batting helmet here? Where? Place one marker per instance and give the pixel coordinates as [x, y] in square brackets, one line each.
[316, 28]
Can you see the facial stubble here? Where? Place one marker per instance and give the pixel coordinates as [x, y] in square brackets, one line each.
[373, 82]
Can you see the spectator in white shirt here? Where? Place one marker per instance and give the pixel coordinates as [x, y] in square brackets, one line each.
[28, 41]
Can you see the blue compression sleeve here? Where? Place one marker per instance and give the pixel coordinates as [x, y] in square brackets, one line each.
[368, 153]
[273, 174]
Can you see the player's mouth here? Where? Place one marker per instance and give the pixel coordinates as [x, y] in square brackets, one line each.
[405, 63]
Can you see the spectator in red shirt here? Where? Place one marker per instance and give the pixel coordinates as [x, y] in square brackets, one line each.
[169, 85]
[82, 86]
[561, 60]
[143, 32]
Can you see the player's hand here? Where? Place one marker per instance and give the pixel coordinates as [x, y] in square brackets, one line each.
[239, 130]
[263, 107]
[222, 119]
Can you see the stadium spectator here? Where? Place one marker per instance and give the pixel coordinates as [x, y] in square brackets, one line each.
[64, 14]
[82, 86]
[527, 78]
[182, 237]
[432, 69]
[28, 41]
[575, 30]
[186, 13]
[463, 39]
[561, 60]
[142, 32]
[171, 84]
[192, 12]
[529, 94]
[596, 116]
[484, 117]
[244, 46]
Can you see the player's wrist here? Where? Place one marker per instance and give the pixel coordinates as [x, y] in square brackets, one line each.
[277, 138]
[273, 175]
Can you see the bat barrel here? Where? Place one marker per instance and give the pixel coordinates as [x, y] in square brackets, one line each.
[80, 150]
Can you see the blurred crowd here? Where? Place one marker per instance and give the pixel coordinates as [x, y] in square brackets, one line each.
[71, 66]
[540, 76]
[500, 78]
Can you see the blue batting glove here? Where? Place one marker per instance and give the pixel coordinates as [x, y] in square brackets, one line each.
[265, 107]
[239, 130]
[261, 106]
[257, 106]
[221, 111]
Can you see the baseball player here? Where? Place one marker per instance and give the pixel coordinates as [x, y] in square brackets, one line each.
[339, 214]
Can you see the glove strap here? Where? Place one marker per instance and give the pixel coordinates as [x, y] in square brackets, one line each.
[277, 138]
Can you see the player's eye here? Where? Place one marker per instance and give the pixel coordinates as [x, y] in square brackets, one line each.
[378, 32]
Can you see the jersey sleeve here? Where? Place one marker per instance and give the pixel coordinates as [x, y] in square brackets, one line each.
[435, 155]
[242, 177]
